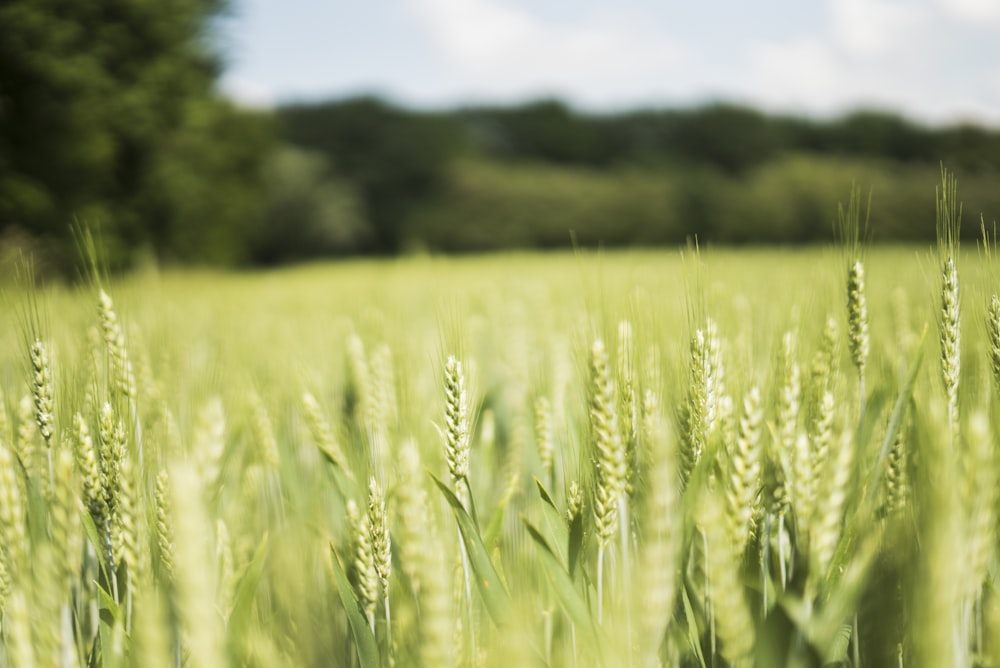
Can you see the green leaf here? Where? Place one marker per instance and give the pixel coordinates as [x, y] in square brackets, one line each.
[780, 642]
[698, 481]
[116, 615]
[341, 479]
[37, 507]
[823, 624]
[364, 639]
[575, 546]
[693, 636]
[490, 585]
[112, 639]
[544, 493]
[840, 645]
[243, 602]
[493, 530]
[573, 602]
[858, 524]
[94, 535]
[472, 503]
[555, 522]
[841, 595]
[775, 639]
[895, 423]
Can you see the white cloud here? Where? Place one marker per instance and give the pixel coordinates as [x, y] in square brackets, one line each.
[867, 54]
[802, 74]
[810, 75]
[875, 28]
[976, 12]
[872, 53]
[477, 32]
[502, 49]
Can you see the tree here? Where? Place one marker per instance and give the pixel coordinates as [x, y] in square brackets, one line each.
[396, 158]
[308, 214]
[731, 138]
[884, 135]
[94, 99]
[546, 131]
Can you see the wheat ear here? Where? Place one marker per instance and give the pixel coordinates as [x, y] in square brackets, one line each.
[413, 519]
[13, 534]
[457, 438]
[744, 471]
[381, 542]
[457, 451]
[857, 327]
[322, 433]
[993, 333]
[658, 550]
[194, 587]
[544, 438]
[949, 218]
[164, 525]
[42, 392]
[950, 337]
[363, 574]
[699, 415]
[732, 620]
[609, 450]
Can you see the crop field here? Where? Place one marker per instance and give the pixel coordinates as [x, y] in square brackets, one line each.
[714, 458]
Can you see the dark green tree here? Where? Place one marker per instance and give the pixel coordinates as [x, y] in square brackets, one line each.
[546, 131]
[395, 158]
[731, 138]
[97, 100]
[882, 135]
[308, 213]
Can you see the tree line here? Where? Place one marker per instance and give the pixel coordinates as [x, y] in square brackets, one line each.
[542, 174]
[110, 117]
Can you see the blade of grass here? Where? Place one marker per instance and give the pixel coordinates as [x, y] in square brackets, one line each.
[861, 519]
[570, 597]
[575, 545]
[111, 612]
[493, 530]
[364, 639]
[341, 478]
[488, 580]
[780, 643]
[243, 602]
[555, 522]
[691, 624]
[895, 423]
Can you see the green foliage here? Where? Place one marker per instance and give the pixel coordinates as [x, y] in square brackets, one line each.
[487, 206]
[308, 212]
[364, 639]
[207, 194]
[572, 601]
[490, 206]
[394, 158]
[545, 131]
[108, 115]
[542, 174]
[488, 580]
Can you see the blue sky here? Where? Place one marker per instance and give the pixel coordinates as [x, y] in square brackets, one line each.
[935, 60]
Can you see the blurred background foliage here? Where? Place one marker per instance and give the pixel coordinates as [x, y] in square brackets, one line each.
[110, 116]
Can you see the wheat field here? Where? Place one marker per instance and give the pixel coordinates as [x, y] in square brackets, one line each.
[755, 457]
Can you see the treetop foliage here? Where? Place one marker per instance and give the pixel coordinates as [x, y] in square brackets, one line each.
[110, 117]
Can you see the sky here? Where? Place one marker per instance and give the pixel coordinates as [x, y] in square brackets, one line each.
[937, 61]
